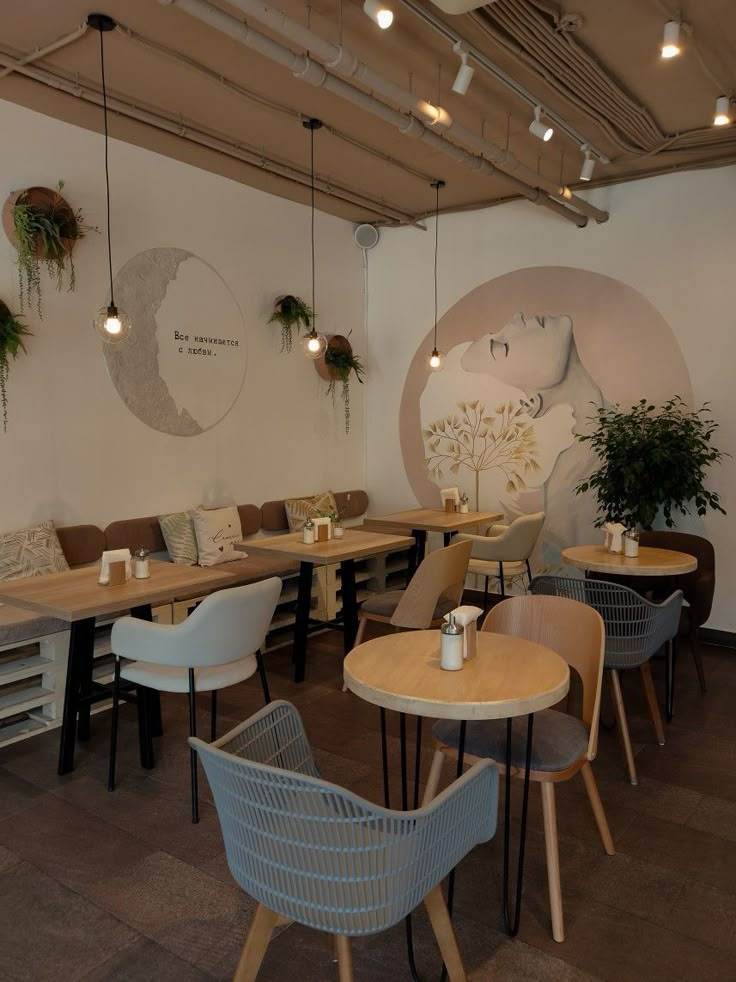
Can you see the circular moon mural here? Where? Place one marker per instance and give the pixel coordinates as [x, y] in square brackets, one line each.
[530, 357]
[185, 364]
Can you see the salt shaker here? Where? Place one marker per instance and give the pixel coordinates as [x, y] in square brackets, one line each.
[451, 646]
[631, 543]
[308, 532]
[140, 563]
[338, 531]
[464, 504]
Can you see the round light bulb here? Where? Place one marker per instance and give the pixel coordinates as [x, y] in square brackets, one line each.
[112, 324]
[435, 361]
[314, 344]
[385, 18]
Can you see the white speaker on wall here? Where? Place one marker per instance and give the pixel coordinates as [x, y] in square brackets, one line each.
[366, 236]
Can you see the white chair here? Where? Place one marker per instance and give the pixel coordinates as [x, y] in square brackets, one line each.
[504, 545]
[218, 645]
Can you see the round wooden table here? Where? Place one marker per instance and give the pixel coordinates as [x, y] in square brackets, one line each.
[509, 677]
[649, 562]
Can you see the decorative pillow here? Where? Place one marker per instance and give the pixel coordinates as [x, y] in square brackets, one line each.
[217, 530]
[298, 510]
[178, 532]
[31, 552]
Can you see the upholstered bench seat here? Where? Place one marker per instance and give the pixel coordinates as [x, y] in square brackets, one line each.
[17, 626]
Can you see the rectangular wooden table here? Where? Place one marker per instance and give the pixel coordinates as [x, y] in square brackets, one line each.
[355, 544]
[419, 521]
[75, 596]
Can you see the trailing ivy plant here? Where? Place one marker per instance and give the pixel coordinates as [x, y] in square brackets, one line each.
[42, 234]
[12, 333]
[652, 458]
[343, 363]
[290, 312]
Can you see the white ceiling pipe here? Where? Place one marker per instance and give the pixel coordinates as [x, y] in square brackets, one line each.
[339, 59]
[39, 53]
[202, 139]
[304, 68]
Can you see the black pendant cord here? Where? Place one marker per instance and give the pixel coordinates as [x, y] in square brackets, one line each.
[107, 166]
[436, 185]
[311, 172]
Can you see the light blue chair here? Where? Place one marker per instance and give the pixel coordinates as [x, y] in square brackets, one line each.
[314, 853]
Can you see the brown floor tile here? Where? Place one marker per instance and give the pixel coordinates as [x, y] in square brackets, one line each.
[145, 961]
[16, 794]
[707, 914]
[7, 859]
[716, 816]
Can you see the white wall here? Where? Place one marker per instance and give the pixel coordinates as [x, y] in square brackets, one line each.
[73, 452]
[671, 238]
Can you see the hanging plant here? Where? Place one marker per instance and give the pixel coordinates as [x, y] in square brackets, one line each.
[44, 229]
[290, 312]
[12, 333]
[336, 366]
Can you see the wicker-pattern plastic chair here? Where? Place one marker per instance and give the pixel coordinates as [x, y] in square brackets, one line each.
[313, 852]
[636, 629]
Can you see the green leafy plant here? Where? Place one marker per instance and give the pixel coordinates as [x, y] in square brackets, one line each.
[483, 441]
[290, 312]
[343, 363]
[44, 234]
[12, 332]
[650, 458]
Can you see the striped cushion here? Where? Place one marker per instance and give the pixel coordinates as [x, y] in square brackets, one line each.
[31, 552]
[178, 532]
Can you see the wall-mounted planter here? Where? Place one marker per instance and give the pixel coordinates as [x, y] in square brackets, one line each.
[336, 366]
[336, 342]
[12, 333]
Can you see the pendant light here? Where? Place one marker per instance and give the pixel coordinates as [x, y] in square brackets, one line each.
[436, 360]
[314, 344]
[112, 323]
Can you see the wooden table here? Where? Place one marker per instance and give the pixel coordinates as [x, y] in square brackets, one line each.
[419, 521]
[354, 544]
[649, 562]
[75, 596]
[509, 677]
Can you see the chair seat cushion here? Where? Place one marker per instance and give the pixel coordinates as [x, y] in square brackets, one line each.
[384, 605]
[167, 678]
[558, 740]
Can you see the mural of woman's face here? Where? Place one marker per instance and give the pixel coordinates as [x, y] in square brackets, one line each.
[530, 353]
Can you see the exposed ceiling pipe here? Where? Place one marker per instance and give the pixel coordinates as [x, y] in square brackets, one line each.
[201, 138]
[339, 59]
[39, 53]
[304, 68]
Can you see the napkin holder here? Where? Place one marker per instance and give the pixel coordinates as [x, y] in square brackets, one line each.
[450, 498]
[614, 536]
[467, 618]
[322, 529]
[119, 559]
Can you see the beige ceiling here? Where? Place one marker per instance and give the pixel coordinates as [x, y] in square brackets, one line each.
[604, 78]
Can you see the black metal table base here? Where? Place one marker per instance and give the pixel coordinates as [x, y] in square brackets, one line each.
[349, 618]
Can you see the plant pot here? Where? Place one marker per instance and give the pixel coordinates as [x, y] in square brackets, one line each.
[45, 199]
[339, 343]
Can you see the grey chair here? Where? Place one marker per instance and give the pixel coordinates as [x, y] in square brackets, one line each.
[636, 630]
[312, 852]
[504, 550]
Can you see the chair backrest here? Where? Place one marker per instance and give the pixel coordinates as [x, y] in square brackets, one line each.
[440, 575]
[698, 586]
[514, 544]
[226, 626]
[572, 629]
[635, 628]
[321, 855]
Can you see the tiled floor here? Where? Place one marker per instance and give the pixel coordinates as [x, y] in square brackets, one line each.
[101, 887]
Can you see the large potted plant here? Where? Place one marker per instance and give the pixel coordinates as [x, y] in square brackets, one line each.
[290, 312]
[12, 332]
[650, 459]
[44, 229]
[336, 366]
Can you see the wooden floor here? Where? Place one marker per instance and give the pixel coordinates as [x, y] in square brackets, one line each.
[99, 886]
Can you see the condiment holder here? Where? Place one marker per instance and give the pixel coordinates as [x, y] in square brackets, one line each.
[614, 536]
[308, 532]
[141, 565]
[120, 560]
[467, 618]
[464, 504]
[631, 543]
[451, 645]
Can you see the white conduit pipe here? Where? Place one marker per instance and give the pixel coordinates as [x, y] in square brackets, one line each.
[339, 59]
[304, 68]
[203, 139]
[48, 49]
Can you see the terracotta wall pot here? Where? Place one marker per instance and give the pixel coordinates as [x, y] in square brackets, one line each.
[338, 342]
[45, 199]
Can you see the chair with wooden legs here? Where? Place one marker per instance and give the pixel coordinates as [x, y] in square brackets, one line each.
[311, 852]
[563, 745]
[218, 645]
[504, 550]
[636, 630]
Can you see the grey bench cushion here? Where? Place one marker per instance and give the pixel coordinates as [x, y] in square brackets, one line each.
[558, 739]
[384, 605]
[18, 625]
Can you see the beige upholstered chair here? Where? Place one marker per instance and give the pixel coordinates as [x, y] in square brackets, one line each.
[562, 744]
[504, 550]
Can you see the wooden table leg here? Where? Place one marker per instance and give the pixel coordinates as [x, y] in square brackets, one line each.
[301, 625]
[349, 604]
[81, 649]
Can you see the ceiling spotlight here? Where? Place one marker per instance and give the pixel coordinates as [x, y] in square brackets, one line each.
[541, 130]
[379, 13]
[586, 171]
[465, 72]
[723, 111]
[671, 39]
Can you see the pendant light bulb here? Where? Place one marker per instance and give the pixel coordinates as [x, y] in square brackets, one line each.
[671, 39]
[314, 344]
[435, 361]
[379, 13]
[112, 324]
[723, 111]
[542, 131]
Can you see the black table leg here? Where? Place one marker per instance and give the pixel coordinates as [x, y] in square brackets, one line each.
[670, 655]
[447, 538]
[405, 805]
[511, 921]
[301, 625]
[81, 650]
[417, 552]
[451, 878]
[349, 604]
